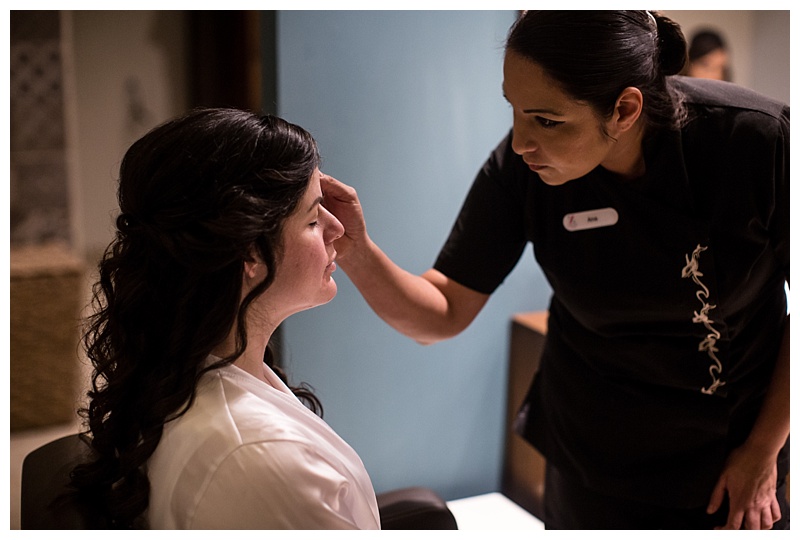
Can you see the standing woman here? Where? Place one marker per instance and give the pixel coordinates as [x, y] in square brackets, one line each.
[708, 57]
[221, 237]
[657, 207]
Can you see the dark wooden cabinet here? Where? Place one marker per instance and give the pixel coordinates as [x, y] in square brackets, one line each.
[523, 465]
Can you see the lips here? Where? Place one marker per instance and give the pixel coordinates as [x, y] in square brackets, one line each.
[528, 160]
[534, 167]
[332, 264]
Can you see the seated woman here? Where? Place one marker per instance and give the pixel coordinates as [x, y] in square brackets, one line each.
[222, 235]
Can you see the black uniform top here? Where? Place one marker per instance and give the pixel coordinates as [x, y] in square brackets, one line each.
[668, 294]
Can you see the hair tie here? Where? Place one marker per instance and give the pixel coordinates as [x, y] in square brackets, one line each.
[127, 223]
[653, 20]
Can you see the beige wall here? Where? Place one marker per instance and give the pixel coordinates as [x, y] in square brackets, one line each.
[759, 43]
[128, 73]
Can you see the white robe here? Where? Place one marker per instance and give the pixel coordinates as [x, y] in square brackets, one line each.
[251, 456]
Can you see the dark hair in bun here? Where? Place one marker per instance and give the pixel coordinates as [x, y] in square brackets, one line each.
[594, 55]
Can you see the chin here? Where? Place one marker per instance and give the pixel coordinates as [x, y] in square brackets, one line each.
[556, 178]
[331, 292]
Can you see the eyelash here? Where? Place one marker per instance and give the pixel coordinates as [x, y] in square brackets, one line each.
[544, 122]
[547, 123]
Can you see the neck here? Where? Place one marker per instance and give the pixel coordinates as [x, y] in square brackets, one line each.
[626, 159]
[252, 360]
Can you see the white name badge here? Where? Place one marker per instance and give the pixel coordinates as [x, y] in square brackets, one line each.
[591, 219]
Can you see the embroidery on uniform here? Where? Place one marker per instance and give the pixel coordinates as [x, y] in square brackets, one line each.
[708, 345]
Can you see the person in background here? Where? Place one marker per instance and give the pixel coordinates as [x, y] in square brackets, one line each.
[658, 208]
[708, 57]
[221, 236]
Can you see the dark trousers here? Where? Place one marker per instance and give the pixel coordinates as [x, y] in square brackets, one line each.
[569, 505]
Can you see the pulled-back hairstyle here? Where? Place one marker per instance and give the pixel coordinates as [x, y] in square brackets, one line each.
[594, 55]
[704, 42]
[198, 195]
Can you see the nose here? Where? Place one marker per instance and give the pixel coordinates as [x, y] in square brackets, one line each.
[333, 227]
[522, 141]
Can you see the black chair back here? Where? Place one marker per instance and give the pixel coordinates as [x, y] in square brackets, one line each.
[46, 500]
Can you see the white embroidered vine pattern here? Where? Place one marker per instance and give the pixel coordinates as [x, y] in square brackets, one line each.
[708, 345]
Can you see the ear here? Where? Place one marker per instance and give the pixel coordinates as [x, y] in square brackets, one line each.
[250, 269]
[253, 266]
[628, 109]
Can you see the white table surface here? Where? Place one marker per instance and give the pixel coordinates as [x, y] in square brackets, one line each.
[492, 511]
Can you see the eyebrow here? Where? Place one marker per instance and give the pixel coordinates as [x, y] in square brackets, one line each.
[316, 202]
[545, 111]
[535, 111]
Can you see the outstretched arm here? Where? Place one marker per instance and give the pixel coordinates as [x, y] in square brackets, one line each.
[428, 307]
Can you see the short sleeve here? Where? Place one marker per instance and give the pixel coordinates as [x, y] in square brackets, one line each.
[488, 236]
[779, 226]
[279, 485]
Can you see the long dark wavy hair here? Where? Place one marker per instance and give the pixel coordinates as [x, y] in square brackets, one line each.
[198, 196]
[594, 55]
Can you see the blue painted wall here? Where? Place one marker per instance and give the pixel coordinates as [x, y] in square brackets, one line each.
[405, 107]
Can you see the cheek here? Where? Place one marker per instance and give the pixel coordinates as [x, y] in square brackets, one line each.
[589, 146]
[571, 150]
[574, 157]
[308, 260]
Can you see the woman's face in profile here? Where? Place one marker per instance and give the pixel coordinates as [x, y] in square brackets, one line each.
[558, 137]
[303, 279]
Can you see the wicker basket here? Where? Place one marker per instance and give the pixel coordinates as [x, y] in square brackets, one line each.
[46, 295]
